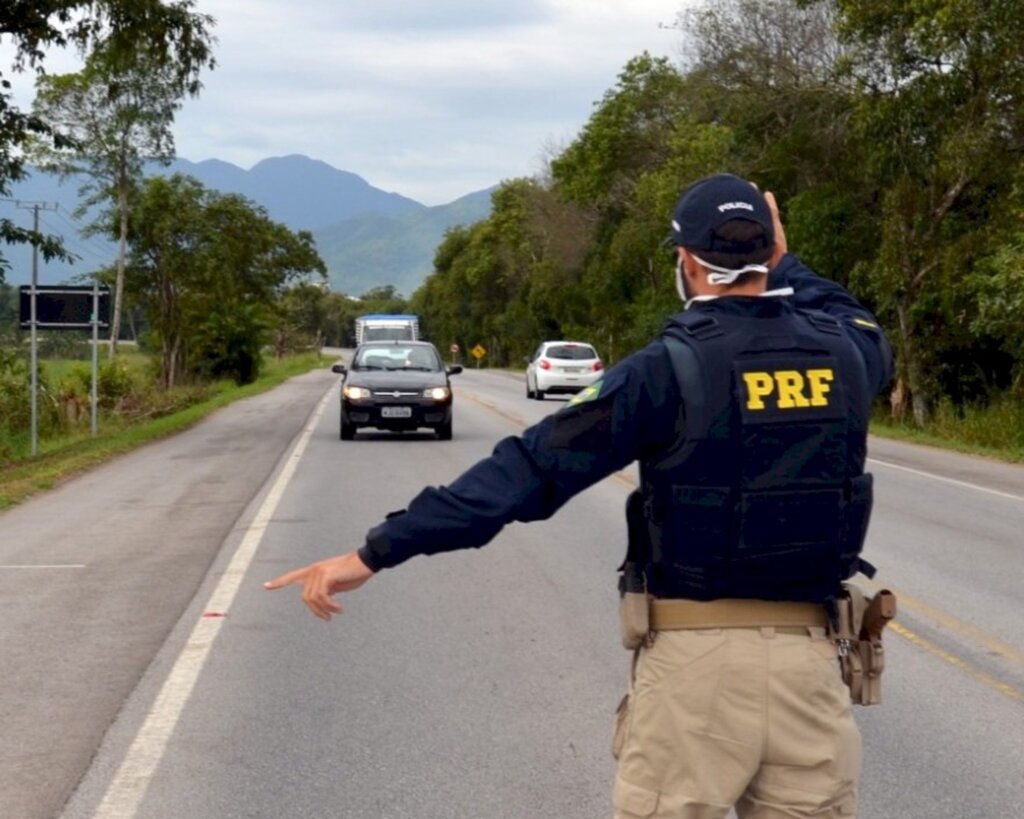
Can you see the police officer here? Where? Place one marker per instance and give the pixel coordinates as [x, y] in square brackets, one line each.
[749, 418]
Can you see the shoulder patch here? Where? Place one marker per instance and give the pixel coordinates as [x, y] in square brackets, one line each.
[864, 323]
[586, 394]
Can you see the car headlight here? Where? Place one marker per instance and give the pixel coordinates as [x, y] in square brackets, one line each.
[356, 393]
[437, 393]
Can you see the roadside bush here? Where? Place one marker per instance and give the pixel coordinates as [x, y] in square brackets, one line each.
[157, 402]
[14, 389]
[115, 384]
[117, 389]
[73, 395]
[998, 425]
[16, 404]
[228, 345]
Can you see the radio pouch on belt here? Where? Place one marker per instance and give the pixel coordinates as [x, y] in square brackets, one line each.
[634, 606]
[857, 633]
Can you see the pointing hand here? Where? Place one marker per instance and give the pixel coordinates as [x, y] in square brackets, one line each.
[323, 579]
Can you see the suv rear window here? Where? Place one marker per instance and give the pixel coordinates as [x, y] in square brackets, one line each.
[571, 351]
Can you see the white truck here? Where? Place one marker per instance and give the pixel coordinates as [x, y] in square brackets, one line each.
[385, 327]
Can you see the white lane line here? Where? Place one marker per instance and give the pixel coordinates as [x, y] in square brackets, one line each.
[129, 785]
[952, 481]
[43, 566]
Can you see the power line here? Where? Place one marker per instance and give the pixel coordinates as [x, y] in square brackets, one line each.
[73, 223]
[89, 250]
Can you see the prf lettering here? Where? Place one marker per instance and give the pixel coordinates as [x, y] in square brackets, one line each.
[788, 389]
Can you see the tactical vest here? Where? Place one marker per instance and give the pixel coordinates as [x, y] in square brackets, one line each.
[764, 495]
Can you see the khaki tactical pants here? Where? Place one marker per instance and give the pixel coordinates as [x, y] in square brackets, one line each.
[756, 718]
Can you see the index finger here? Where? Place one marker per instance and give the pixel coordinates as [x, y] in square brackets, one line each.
[286, 579]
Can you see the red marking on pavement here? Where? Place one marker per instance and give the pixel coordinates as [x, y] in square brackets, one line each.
[214, 614]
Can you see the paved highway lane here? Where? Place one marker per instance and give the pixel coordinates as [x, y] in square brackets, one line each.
[483, 684]
[475, 685]
[93, 576]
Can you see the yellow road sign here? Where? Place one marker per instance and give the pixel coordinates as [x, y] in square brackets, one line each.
[478, 352]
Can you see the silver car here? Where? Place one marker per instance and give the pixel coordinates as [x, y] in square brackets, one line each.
[562, 367]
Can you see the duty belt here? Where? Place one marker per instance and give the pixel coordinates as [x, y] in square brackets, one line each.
[674, 614]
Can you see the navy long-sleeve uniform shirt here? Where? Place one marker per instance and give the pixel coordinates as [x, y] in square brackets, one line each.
[632, 413]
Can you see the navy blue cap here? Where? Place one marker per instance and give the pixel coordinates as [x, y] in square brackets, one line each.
[708, 204]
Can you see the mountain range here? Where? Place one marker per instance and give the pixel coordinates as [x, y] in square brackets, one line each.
[366, 236]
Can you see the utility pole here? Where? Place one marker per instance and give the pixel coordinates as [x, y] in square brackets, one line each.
[35, 207]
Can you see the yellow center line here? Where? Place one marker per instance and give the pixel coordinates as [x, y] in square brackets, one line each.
[514, 419]
[922, 609]
[956, 662]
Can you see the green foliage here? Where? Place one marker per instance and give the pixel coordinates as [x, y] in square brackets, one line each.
[301, 319]
[114, 383]
[891, 134]
[118, 37]
[14, 391]
[998, 286]
[16, 402]
[938, 103]
[995, 428]
[208, 271]
[228, 343]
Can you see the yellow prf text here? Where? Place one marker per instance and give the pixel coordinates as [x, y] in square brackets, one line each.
[788, 389]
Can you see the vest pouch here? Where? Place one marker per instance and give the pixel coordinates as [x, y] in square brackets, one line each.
[791, 520]
[704, 513]
[856, 515]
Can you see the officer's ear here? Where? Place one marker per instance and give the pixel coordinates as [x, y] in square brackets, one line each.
[691, 267]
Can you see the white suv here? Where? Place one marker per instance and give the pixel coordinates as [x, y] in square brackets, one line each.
[562, 367]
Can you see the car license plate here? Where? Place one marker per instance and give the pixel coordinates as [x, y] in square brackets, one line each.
[396, 412]
[572, 369]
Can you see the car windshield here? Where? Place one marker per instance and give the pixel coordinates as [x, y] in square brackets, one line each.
[397, 357]
[571, 351]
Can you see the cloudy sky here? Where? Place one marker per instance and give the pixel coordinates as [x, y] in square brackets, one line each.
[429, 99]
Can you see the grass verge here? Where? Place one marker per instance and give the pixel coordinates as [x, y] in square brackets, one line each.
[1013, 455]
[994, 430]
[65, 458]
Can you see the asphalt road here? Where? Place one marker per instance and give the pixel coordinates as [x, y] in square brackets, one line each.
[147, 674]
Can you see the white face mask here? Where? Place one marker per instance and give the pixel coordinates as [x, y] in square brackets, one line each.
[716, 275]
[725, 275]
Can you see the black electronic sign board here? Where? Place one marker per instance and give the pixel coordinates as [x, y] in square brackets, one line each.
[63, 307]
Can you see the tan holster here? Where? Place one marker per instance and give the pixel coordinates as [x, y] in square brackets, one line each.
[634, 619]
[857, 633]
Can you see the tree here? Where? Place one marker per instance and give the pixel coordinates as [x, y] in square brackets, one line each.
[208, 270]
[115, 33]
[109, 119]
[624, 137]
[641, 147]
[940, 86]
[301, 316]
[774, 72]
